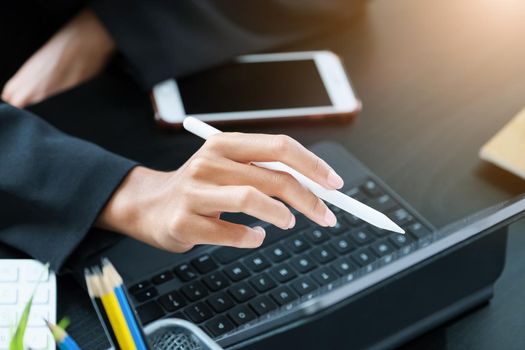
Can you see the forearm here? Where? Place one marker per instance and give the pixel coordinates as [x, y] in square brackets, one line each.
[52, 186]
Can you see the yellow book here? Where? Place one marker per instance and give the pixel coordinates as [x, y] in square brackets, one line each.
[506, 149]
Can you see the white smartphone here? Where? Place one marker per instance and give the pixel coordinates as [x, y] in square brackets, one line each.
[261, 86]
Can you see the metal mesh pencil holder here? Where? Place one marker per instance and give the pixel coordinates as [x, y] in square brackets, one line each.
[176, 334]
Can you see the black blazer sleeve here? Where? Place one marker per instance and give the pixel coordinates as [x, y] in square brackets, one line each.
[52, 186]
[171, 38]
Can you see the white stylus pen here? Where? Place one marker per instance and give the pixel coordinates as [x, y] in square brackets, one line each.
[339, 199]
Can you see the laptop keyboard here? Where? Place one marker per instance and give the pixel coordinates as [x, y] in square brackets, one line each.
[227, 288]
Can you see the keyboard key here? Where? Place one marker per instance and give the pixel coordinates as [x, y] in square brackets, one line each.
[353, 220]
[384, 204]
[382, 248]
[400, 240]
[316, 236]
[199, 312]
[149, 312]
[301, 222]
[343, 244]
[8, 295]
[37, 338]
[363, 257]
[226, 255]
[257, 262]
[274, 234]
[303, 264]
[283, 295]
[172, 302]
[141, 297]
[277, 253]
[304, 285]
[40, 296]
[378, 232]
[344, 266]
[236, 271]
[219, 325]
[401, 216]
[262, 282]
[242, 292]
[185, 272]
[7, 318]
[37, 316]
[262, 305]
[34, 272]
[324, 275]
[323, 254]
[334, 209]
[418, 230]
[5, 337]
[204, 264]
[241, 315]
[283, 273]
[339, 227]
[371, 188]
[8, 273]
[221, 301]
[215, 281]
[194, 291]
[139, 287]
[297, 244]
[362, 236]
[357, 194]
[162, 277]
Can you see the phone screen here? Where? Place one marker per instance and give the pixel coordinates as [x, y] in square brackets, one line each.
[238, 87]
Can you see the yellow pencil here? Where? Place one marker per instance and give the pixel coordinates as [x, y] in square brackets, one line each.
[115, 315]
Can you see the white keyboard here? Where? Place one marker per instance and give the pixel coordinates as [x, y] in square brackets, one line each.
[18, 279]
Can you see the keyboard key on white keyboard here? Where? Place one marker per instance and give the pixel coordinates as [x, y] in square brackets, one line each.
[8, 273]
[37, 316]
[7, 317]
[41, 295]
[8, 295]
[35, 272]
[37, 338]
[4, 338]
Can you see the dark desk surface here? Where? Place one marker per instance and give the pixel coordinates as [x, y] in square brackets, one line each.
[437, 79]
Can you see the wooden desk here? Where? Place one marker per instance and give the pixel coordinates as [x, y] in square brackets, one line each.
[437, 79]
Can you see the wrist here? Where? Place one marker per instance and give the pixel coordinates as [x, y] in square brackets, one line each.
[126, 210]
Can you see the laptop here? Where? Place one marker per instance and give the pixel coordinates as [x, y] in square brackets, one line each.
[240, 296]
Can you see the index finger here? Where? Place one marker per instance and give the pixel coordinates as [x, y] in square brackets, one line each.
[247, 148]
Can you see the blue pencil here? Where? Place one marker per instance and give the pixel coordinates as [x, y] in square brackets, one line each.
[135, 329]
[63, 340]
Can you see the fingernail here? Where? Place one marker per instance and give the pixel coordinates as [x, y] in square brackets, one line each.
[260, 230]
[329, 218]
[292, 222]
[261, 233]
[334, 180]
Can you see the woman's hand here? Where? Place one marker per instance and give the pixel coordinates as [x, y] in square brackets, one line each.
[177, 210]
[76, 53]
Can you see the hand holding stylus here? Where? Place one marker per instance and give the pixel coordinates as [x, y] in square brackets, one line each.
[179, 209]
[332, 196]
